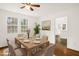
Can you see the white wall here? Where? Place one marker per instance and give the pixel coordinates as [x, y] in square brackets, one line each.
[3, 28]
[73, 28]
[50, 33]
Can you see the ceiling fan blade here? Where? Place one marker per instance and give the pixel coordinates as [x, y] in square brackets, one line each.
[22, 3]
[22, 7]
[27, 3]
[31, 9]
[35, 5]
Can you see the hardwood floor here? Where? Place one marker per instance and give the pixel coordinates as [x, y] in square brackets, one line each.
[71, 52]
[59, 51]
[2, 51]
[63, 51]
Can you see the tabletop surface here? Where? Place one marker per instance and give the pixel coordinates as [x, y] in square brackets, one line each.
[31, 42]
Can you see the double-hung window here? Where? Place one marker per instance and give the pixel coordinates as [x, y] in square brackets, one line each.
[15, 26]
[12, 25]
[24, 25]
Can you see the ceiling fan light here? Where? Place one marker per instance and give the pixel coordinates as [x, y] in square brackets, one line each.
[27, 7]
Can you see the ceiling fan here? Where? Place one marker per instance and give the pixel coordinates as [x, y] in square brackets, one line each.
[25, 5]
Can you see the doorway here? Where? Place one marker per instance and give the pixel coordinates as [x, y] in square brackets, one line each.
[61, 35]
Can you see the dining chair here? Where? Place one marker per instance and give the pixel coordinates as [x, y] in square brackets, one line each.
[49, 51]
[45, 37]
[15, 52]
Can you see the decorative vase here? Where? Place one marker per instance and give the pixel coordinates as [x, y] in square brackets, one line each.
[37, 36]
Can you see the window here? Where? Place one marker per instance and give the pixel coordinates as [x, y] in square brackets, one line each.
[24, 25]
[12, 24]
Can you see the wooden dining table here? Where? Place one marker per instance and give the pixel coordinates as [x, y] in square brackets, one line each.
[31, 44]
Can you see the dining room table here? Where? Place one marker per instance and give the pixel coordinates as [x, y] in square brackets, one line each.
[31, 44]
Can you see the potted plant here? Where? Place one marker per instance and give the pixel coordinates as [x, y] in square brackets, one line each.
[37, 30]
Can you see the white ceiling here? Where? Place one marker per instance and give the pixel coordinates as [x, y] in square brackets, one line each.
[45, 8]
